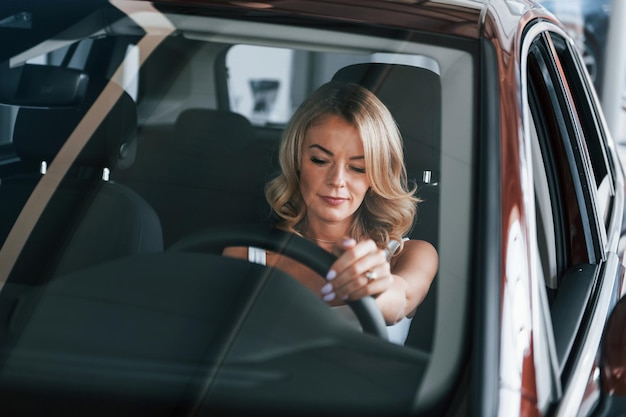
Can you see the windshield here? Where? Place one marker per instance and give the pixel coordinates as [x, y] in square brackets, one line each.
[128, 128]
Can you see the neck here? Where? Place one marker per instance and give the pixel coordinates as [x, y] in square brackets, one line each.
[329, 233]
[319, 240]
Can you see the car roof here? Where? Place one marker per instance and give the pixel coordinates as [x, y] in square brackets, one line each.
[464, 18]
[434, 16]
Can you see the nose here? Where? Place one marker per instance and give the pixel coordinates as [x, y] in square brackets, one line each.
[337, 176]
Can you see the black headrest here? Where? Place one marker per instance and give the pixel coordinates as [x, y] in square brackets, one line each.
[39, 133]
[214, 128]
[412, 95]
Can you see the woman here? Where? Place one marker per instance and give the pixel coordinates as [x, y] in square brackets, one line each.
[343, 186]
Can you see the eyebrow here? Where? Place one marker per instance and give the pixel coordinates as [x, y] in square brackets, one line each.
[326, 151]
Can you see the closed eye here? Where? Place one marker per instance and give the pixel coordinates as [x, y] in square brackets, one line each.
[318, 161]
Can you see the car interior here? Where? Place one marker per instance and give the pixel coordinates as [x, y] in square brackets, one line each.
[117, 218]
[172, 158]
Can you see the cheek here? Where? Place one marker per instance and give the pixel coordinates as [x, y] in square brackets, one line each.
[361, 187]
[307, 181]
[359, 194]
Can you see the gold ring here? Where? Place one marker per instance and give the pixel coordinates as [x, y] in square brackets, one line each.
[371, 275]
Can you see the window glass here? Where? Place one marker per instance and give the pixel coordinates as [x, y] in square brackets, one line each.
[198, 157]
[259, 82]
[569, 240]
[589, 121]
[553, 141]
[547, 228]
[266, 84]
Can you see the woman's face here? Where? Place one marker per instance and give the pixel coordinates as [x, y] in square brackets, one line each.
[333, 182]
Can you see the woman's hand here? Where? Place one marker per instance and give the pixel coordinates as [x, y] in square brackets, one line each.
[361, 269]
[398, 293]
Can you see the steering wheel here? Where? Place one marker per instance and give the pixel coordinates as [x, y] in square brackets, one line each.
[215, 240]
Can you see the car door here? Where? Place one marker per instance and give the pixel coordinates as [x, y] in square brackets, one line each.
[578, 205]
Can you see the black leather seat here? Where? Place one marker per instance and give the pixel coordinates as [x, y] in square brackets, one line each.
[209, 170]
[87, 220]
[413, 95]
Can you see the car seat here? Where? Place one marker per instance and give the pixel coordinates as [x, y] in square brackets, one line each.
[208, 170]
[413, 96]
[88, 220]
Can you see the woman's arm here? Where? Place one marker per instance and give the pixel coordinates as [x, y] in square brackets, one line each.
[413, 270]
[236, 252]
[399, 287]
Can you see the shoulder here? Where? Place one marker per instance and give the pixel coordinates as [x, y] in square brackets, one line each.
[418, 252]
[419, 245]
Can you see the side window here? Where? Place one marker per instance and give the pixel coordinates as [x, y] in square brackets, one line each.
[259, 81]
[560, 221]
[266, 84]
[572, 185]
[546, 211]
[592, 133]
[573, 152]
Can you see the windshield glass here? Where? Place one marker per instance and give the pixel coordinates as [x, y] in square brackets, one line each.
[128, 128]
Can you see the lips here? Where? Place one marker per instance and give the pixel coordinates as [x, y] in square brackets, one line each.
[334, 201]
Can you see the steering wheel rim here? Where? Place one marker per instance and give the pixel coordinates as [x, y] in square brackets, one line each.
[215, 240]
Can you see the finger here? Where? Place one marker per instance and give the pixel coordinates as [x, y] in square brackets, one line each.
[356, 278]
[343, 290]
[372, 266]
[352, 252]
[353, 276]
[372, 288]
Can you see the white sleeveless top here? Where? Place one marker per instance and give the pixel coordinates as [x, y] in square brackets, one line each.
[397, 332]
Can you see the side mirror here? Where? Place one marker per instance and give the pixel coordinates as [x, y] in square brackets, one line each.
[613, 364]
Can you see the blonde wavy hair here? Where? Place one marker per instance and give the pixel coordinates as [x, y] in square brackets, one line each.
[389, 209]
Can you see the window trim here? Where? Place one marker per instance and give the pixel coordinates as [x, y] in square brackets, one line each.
[583, 95]
[543, 341]
[586, 178]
